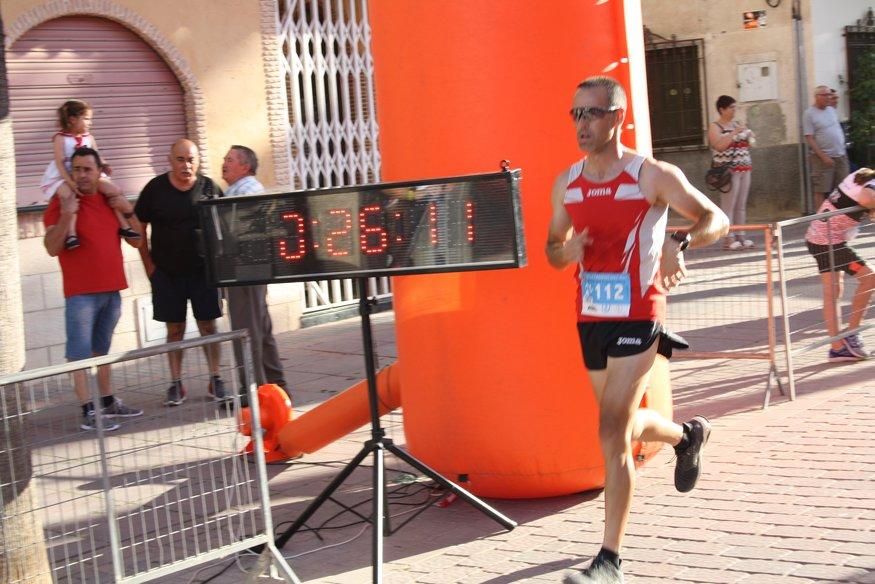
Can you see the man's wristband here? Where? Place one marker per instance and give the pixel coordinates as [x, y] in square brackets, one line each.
[683, 238]
[127, 215]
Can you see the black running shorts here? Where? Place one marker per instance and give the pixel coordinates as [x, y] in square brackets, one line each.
[621, 338]
[845, 258]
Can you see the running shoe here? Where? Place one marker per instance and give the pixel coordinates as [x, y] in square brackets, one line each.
[120, 410]
[600, 571]
[747, 243]
[855, 347]
[689, 460]
[843, 354]
[733, 246]
[89, 422]
[175, 395]
[218, 391]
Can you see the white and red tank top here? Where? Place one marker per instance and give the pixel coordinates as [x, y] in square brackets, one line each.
[841, 228]
[619, 276]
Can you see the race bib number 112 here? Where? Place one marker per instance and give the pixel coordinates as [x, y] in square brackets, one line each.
[605, 294]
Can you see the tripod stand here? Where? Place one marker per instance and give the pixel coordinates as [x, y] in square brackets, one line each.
[378, 445]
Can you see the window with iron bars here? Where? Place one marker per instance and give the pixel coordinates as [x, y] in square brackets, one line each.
[675, 87]
[328, 67]
[329, 77]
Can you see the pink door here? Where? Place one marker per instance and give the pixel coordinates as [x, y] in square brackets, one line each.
[137, 100]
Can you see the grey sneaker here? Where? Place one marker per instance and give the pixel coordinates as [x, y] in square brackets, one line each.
[89, 422]
[689, 460]
[218, 391]
[175, 395]
[855, 346]
[120, 410]
[600, 571]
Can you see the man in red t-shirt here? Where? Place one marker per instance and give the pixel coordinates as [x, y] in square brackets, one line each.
[93, 274]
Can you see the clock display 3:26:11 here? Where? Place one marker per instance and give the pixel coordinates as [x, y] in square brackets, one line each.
[379, 230]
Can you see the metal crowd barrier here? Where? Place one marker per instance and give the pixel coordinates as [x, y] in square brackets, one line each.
[725, 309]
[166, 492]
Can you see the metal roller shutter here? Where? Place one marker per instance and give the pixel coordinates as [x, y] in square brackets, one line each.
[137, 100]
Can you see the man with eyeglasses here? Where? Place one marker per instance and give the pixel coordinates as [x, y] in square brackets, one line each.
[826, 141]
[609, 219]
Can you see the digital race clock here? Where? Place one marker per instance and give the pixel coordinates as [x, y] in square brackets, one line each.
[441, 225]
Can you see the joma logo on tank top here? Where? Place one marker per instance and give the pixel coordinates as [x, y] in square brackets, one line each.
[600, 192]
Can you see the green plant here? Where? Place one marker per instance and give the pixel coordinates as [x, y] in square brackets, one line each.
[862, 132]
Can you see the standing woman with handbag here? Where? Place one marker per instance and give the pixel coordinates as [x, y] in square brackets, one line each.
[730, 142]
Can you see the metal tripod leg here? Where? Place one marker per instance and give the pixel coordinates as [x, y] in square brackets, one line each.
[379, 518]
[325, 494]
[494, 514]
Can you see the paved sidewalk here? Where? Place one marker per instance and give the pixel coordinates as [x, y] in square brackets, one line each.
[788, 493]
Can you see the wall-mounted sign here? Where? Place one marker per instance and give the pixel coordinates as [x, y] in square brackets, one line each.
[754, 19]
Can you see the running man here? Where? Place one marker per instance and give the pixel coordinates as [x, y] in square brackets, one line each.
[609, 218]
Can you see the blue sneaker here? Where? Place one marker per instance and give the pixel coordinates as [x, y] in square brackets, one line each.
[855, 346]
[843, 354]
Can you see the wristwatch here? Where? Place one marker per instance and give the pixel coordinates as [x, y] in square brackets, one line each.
[683, 238]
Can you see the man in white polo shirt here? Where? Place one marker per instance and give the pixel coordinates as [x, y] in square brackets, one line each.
[247, 305]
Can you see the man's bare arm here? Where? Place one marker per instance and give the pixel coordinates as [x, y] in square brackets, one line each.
[669, 187]
[139, 242]
[119, 203]
[562, 250]
[145, 254]
[812, 143]
[56, 234]
[675, 191]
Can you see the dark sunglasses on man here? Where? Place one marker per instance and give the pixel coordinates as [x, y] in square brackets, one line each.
[588, 114]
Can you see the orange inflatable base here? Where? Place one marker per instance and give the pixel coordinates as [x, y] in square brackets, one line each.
[349, 410]
[567, 467]
[340, 415]
[275, 409]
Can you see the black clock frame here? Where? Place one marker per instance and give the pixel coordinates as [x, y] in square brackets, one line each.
[221, 244]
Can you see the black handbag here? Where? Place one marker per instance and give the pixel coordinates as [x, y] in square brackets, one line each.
[719, 177]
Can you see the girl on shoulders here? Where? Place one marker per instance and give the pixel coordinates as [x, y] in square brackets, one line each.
[74, 119]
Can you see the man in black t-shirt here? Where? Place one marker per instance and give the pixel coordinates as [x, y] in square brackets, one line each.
[173, 263]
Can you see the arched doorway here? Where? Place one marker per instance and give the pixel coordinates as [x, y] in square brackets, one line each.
[138, 102]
